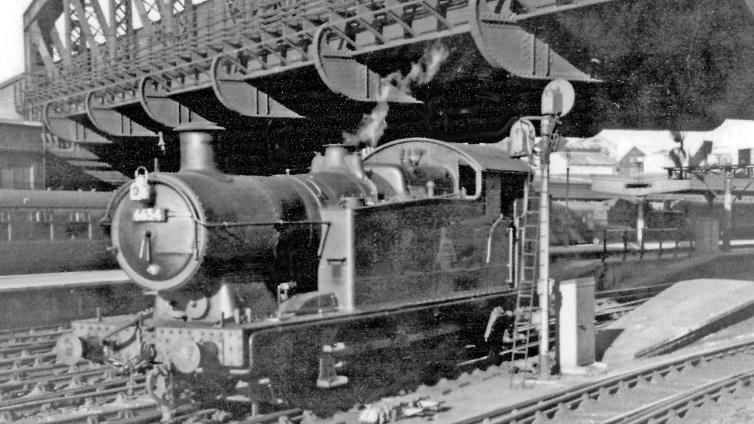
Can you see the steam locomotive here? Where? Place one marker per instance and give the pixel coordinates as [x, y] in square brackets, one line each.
[313, 287]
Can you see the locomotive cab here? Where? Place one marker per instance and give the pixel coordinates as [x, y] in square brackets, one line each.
[444, 213]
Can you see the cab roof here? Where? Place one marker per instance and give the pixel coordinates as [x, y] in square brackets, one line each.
[482, 157]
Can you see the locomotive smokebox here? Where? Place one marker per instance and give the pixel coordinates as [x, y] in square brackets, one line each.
[205, 239]
[197, 150]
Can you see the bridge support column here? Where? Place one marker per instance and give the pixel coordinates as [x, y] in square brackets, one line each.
[640, 221]
[727, 212]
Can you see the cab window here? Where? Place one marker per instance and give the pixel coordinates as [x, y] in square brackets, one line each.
[467, 180]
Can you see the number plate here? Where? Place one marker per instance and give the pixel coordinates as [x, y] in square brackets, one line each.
[150, 215]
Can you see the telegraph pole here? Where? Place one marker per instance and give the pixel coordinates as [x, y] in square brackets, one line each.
[727, 209]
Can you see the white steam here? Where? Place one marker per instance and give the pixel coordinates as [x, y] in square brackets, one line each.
[373, 125]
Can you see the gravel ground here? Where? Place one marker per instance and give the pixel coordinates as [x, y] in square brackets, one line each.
[481, 391]
[736, 408]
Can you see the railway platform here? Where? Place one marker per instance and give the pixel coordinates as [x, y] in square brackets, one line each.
[680, 315]
[53, 298]
[488, 396]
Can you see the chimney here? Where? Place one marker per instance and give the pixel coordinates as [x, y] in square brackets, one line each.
[335, 155]
[197, 152]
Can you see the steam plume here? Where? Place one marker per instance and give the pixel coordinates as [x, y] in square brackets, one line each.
[373, 125]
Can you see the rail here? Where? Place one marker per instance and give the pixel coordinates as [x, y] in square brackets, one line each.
[621, 241]
[26, 379]
[548, 406]
[680, 403]
[654, 239]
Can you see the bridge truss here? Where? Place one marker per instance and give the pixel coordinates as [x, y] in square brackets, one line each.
[128, 71]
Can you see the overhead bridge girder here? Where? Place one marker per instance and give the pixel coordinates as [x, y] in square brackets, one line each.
[239, 95]
[341, 44]
[68, 123]
[159, 106]
[225, 75]
[343, 47]
[110, 121]
[507, 45]
[343, 74]
[536, 8]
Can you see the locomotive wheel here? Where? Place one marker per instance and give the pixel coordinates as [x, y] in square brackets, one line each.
[159, 385]
[446, 354]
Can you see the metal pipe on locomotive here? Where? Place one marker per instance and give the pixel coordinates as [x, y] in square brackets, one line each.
[265, 284]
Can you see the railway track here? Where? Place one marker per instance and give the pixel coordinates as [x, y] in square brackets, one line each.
[656, 393]
[34, 388]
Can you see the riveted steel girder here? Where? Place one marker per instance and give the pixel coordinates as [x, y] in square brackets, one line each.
[63, 122]
[506, 44]
[240, 96]
[110, 121]
[344, 47]
[345, 75]
[242, 55]
[163, 109]
[535, 8]
[340, 44]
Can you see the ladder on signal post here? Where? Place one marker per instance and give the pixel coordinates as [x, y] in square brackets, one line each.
[527, 276]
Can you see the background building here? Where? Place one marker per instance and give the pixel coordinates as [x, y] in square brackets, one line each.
[31, 158]
[647, 153]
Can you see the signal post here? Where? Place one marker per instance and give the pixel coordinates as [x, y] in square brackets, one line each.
[557, 100]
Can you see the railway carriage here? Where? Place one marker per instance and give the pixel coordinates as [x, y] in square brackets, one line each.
[49, 231]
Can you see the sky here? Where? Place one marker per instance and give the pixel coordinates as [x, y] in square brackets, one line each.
[11, 37]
